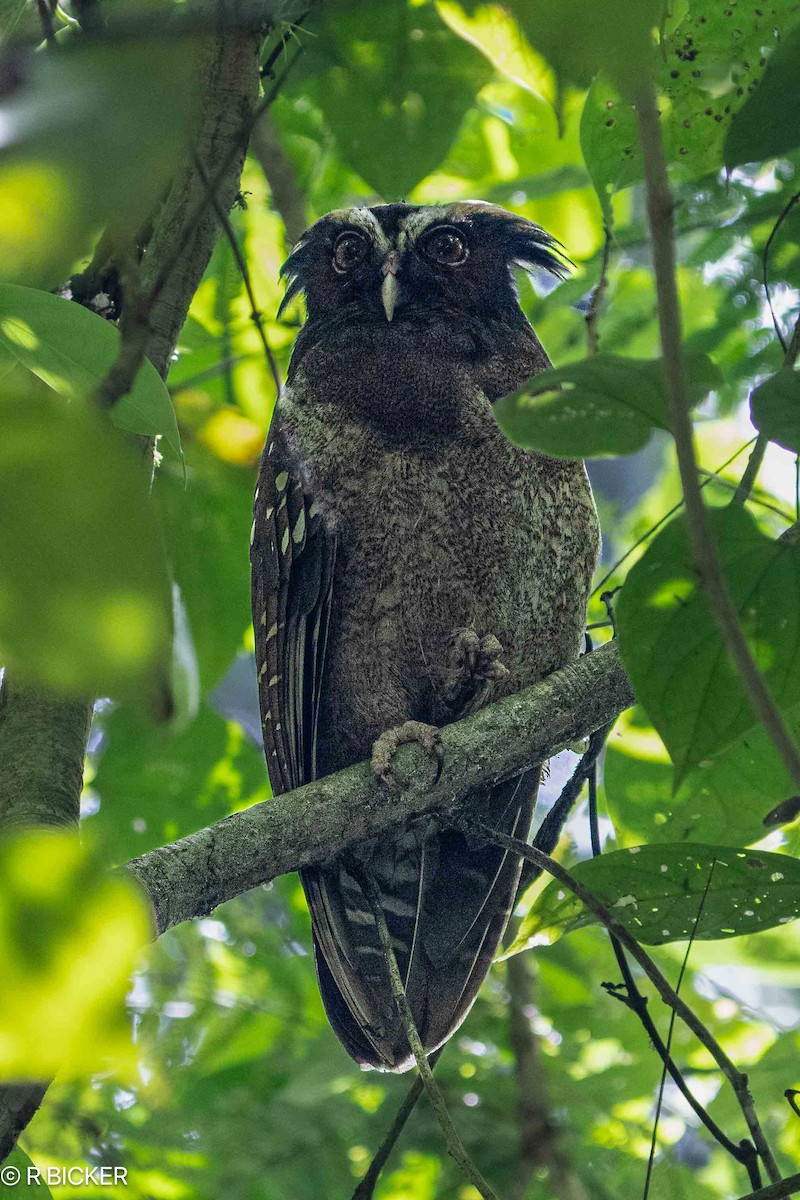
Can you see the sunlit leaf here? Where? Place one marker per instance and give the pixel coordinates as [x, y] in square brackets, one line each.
[769, 123]
[725, 801]
[84, 596]
[69, 936]
[600, 406]
[582, 37]
[492, 28]
[657, 893]
[673, 650]
[71, 350]
[775, 409]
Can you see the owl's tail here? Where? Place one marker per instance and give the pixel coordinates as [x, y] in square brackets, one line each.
[447, 899]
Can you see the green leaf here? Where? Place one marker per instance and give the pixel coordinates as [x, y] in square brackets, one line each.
[71, 350]
[36, 1189]
[58, 185]
[394, 85]
[69, 936]
[84, 596]
[597, 407]
[775, 409]
[768, 124]
[724, 801]
[674, 652]
[609, 142]
[708, 65]
[656, 892]
[493, 30]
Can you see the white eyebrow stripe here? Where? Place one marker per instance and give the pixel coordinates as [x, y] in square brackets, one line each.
[416, 222]
[362, 218]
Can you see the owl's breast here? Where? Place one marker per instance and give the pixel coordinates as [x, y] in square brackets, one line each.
[433, 538]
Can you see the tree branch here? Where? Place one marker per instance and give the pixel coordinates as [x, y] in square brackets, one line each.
[705, 557]
[789, 1186]
[190, 877]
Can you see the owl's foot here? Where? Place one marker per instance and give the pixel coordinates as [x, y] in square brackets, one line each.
[426, 736]
[476, 671]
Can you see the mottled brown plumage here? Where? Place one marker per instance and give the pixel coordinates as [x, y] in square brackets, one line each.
[398, 538]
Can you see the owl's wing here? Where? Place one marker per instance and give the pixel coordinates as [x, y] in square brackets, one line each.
[292, 557]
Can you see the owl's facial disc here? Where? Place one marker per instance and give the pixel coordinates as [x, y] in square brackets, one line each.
[419, 263]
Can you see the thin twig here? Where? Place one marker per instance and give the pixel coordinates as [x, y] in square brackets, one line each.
[787, 208]
[241, 262]
[748, 480]
[366, 1187]
[754, 462]
[279, 47]
[633, 999]
[757, 456]
[662, 521]
[543, 862]
[455, 1147]
[668, 1047]
[46, 21]
[705, 556]
[713, 477]
[549, 831]
[595, 304]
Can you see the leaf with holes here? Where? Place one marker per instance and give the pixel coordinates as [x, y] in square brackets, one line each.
[609, 142]
[768, 124]
[710, 63]
[673, 650]
[598, 407]
[657, 892]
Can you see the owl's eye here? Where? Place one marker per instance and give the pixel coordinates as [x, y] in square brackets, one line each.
[444, 245]
[350, 250]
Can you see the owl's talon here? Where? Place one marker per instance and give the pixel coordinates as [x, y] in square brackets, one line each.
[476, 671]
[383, 749]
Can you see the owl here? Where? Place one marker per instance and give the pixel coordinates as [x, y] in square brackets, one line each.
[410, 565]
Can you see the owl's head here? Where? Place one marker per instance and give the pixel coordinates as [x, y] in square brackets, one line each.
[403, 261]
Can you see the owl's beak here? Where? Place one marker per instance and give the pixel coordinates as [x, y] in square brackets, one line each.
[389, 285]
